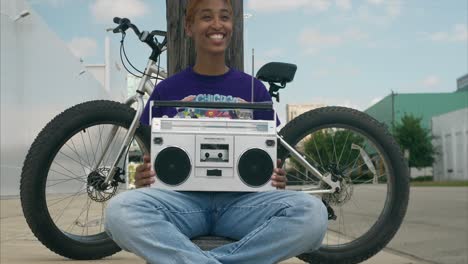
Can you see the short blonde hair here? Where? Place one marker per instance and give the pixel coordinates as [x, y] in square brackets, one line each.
[191, 9]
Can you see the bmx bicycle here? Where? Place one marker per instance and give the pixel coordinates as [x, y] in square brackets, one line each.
[78, 162]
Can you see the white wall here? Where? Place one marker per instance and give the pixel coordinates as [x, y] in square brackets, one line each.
[450, 133]
[39, 79]
[415, 172]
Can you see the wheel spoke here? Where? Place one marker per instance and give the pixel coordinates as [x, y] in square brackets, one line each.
[89, 168]
[74, 196]
[84, 145]
[91, 146]
[77, 154]
[70, 201]
[70, 177]
[343, 148]
[318, 153]
[357, 209]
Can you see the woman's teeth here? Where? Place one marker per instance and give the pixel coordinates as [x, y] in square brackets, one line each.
[216, 36]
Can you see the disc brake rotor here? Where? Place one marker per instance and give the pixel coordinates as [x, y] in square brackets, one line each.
[94, 187]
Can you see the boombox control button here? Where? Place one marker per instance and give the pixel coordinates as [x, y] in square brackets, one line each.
[158, 141]
[214, 172]
[270, 143]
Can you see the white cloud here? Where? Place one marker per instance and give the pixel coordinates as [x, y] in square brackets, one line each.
[375, 100]
[318, 5]
[439, 36]
[313, 40]
[344, 4]
[375, 2]
[393, 8]
[273, 52]
[105, 10]
[83, 47]
[353, 71]
[320, 73]
[337, 101]
[431, 81]
[53, 3]
[281, 6]
[459, 32]
[380, 12]
[331, 59]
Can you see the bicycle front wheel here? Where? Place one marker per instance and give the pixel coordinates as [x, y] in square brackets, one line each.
[61, 192]
[359, 153]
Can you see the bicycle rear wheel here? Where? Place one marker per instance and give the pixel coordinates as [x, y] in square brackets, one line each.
[359, 153]
[60, 188]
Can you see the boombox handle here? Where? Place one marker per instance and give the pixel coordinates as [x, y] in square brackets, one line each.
[213, 105]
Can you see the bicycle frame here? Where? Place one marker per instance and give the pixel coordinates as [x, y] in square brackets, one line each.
[146, 87]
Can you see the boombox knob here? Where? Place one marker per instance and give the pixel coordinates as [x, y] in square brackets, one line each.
[220, 155]
[158, 140]
[270, 143]
[207, 155]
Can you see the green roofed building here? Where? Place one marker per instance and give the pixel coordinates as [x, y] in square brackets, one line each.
[394, 106]
[462, 83]
[445, 115]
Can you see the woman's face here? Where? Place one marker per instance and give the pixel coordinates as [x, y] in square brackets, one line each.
[211, 28]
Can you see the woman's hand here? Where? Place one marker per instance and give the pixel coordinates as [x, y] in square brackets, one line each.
[278, 179]
[144, 175]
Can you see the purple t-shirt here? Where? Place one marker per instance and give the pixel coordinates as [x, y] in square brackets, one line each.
[233, 86]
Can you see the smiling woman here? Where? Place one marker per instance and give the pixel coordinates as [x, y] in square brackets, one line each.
[182, 49]
[210, 26]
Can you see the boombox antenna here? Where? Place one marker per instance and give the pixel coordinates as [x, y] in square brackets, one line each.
[253, 63]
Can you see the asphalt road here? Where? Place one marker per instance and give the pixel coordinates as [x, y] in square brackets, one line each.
[435, 228]
[436, 225]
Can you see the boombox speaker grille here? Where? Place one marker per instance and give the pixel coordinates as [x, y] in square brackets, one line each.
[172, 166]
[255, 167]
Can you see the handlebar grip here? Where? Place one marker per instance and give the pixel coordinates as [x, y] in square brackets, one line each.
[159, 33]
[119, 20]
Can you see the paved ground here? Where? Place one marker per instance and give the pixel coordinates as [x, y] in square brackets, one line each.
[434, 231]
[436, 225]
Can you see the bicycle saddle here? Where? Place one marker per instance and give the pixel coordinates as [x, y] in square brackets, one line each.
[277, 72]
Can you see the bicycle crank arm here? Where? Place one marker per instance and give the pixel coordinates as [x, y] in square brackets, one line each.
[335, 186]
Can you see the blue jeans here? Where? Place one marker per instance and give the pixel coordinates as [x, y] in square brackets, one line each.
[157, 225]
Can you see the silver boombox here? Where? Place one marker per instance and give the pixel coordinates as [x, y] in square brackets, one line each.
[213, 154]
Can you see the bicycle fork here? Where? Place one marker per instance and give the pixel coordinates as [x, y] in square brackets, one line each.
[126, 142]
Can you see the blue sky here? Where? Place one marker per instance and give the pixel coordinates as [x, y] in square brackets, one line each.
[348, 52]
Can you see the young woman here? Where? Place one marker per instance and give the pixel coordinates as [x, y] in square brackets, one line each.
[157, 224]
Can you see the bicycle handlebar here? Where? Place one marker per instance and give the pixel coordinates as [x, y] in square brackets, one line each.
[124, 24]
[147, 37]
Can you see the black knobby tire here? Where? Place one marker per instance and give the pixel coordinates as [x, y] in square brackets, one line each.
[367, 244]
[48, 144]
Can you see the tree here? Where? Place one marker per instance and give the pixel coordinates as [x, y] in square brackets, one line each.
[413, 137]
[181, 49]
[331, 150]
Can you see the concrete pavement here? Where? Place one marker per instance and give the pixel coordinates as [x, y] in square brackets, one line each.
[19, 246]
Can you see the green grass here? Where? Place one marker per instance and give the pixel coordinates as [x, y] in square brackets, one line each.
[439, 184]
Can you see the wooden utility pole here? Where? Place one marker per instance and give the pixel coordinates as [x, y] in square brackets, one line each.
[181, 49]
